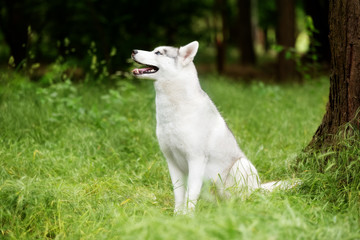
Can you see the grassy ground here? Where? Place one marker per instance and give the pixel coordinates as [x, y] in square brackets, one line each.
[82, 162]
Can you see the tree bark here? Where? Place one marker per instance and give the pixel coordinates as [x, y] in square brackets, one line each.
[344, 97]
[246, 41]
[285, 38]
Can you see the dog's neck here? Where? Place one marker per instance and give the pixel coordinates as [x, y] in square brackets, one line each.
[182, 86]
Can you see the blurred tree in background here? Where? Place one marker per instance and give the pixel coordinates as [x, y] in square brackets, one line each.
[97, 35]
[246, 35]
[285, 35]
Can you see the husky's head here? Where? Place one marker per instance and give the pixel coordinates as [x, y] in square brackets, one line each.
[164, 62]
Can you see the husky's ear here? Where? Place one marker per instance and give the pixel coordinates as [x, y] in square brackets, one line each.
[188, 52]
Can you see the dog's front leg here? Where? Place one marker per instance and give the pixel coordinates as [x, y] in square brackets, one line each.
[195, 180]
[178, 181]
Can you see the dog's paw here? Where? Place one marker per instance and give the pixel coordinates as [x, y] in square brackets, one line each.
[186, 211]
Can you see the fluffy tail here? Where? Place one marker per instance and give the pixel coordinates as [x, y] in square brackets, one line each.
[282, 185]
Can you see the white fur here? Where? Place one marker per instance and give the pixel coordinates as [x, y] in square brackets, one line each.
[192, 135]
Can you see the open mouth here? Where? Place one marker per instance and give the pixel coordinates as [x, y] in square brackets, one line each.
[148, 70]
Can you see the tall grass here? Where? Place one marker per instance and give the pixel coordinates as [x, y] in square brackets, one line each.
[81, 161]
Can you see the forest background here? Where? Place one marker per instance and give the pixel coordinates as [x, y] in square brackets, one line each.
[79, 157]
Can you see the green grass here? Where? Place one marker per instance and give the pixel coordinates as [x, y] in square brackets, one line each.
[81, 161]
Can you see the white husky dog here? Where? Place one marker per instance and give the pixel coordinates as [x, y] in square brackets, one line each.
[192, 135]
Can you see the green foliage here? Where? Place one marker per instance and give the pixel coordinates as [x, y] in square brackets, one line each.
[81, 161]
[310, 31]
[267, 13]
[306, 64]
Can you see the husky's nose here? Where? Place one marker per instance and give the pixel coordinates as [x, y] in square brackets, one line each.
[134, 52]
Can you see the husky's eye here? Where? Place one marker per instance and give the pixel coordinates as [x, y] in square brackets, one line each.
[158, 53]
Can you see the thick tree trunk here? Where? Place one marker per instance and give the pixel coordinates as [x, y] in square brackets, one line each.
[246, 42]
[344, 98]
[285, 38]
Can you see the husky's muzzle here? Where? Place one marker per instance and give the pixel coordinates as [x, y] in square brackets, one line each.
[140, 71]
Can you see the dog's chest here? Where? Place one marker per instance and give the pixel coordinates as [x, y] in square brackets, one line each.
[181, 125]
[176, 121]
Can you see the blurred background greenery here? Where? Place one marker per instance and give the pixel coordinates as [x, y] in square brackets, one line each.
[242, 38]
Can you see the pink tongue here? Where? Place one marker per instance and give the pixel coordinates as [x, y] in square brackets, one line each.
[140, 70]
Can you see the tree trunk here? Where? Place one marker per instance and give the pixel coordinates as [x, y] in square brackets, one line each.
[266, 40]
[285, 38]
[221, 34]
[246, 42]
[344, 97]
[220, 54]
